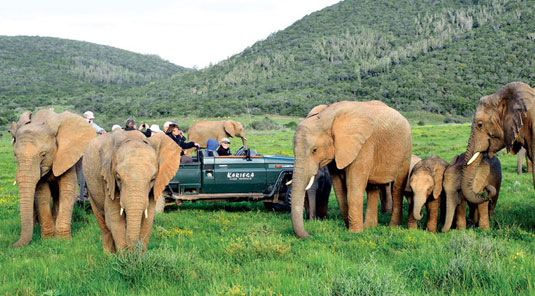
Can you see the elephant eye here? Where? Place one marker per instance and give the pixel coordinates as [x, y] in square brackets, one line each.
[43, 154]
[314, 149]
[480, 124]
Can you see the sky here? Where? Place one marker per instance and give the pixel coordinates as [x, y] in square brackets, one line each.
[191, 33]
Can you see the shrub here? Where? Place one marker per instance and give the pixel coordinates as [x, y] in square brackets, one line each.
[265, 124]
[290, 125]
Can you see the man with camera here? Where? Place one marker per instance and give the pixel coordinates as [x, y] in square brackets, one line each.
[131, 126]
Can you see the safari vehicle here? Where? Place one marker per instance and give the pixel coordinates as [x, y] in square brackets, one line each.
[240, 177]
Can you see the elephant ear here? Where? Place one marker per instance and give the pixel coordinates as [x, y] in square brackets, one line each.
[516, 98]
[438, 177]
[107, 168]
[316, 110]
[480, 180]
[229, 128]
[414, 161]
[24, 118]
[73, 135]
[349, 133]
[168, 153]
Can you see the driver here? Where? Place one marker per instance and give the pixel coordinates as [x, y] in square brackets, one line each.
[224, 147]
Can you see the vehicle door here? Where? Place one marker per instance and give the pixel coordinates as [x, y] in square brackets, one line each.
[238, 174]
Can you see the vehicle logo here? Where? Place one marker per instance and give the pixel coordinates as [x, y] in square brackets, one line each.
[240, 176]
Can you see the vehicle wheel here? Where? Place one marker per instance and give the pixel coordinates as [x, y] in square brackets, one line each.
[160, 204]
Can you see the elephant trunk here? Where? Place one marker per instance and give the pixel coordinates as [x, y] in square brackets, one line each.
[298, 201]
[473, 161]
[27, 179]
[135, 212]
[419, 201]
[492, 192]
[451, 204]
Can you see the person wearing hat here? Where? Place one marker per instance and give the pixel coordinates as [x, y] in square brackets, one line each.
[155, 128]
[166, 126]
[224, 147]
[116, 126]
[90, 117]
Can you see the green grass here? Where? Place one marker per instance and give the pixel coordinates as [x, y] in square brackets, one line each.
[243, 249]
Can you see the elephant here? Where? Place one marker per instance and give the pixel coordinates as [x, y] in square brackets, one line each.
[317, 197]
[425, 186]
[124, 172]
[503, 119]
[363, 143]
[46, 147]
[521, 155]
[201, 131]
[488, 178]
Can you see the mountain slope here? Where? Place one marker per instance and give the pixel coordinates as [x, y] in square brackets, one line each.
[361, 50]
[35, 71]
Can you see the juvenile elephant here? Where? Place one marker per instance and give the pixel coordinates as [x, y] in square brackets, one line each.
[365, 143]
[425, 186]
[317, 197]
[504, 119]
[47, 145]
[124, 172]
[201, 131]
[488, 178]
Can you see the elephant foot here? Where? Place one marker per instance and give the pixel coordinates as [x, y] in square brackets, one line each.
[432, 229]
[356, 228]
[484, 226]
[412, 225]
[461, 226]
[45, 235]
[20, 243]
[369, 224]
[63, 234]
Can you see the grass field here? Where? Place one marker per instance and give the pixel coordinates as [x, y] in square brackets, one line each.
[244, 249]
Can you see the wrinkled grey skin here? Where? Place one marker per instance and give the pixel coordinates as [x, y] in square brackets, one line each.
[317, 197]
[455, 200]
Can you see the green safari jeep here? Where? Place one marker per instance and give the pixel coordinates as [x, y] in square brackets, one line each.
[231, 178]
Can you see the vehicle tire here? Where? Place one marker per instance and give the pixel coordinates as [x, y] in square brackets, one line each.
[160, 204]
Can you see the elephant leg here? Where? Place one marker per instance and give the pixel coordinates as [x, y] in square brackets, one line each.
[483, 211]
[386, 198]
[371, 220]
[322, 203]
[146, 223]
[54, 190]
[529, 164]
[356, 184]
[107, 239]
[340, 191]
[397, 200]
[67, 195]
[411, 222]
[460, 214]
[115, 222]
[432, 214]
[310, 202]
[44, 211]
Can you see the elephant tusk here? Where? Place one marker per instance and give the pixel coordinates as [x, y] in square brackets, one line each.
[14, 182]
[288, 183]
[310, 183]
[121, 213]
[473, 158]
[146, 213]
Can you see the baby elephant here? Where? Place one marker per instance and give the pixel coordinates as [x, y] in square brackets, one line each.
[124, 172]
[425, 184]
[488, 178]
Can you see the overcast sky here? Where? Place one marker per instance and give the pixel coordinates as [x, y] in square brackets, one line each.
[187, 33]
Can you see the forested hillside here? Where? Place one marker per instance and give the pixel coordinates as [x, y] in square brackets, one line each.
[40, 71]
[437, 56]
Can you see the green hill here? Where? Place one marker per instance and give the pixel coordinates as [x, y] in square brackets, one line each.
[435, 56]
[438, 56]
[40, 71]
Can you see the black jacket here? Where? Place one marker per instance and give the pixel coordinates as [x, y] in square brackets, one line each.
[181, 141]
[222, 151]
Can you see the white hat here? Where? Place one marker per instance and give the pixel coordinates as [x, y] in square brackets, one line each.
[225, 140]
[115, 126]
[89, 115]
[155, 128]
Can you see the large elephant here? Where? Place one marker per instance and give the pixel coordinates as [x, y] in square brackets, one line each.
[317, 197]
[504, 119]
[201, 131]
[124, 172]
[425, 184]
[488, 177]
[368, 143]
[47, 145]
[529, 164]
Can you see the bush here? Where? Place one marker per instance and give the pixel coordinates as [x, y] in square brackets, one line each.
[265, 124]
[290, 125]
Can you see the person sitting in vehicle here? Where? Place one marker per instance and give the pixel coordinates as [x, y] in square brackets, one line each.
[224, 148]
[211, 147]
[90, 117]
[174, 133]
[130, 125]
